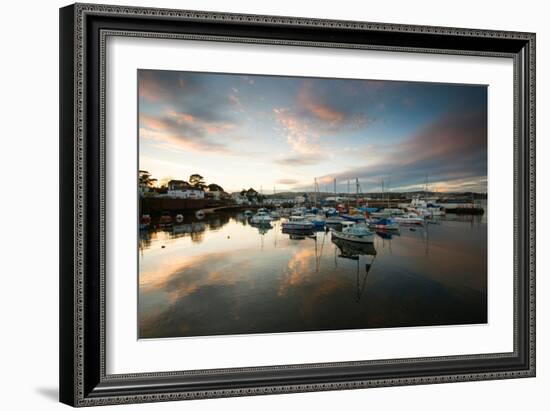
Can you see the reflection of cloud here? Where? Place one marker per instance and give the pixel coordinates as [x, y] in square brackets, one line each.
[182, 277]
[298, 269]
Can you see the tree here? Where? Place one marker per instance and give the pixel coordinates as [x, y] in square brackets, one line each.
[197, 181]
[214, 187]
[145, 179]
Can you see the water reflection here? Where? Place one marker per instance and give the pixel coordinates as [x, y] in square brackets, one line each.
[222, 275]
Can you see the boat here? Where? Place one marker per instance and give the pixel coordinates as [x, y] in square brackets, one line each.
[317, 220]
[358, 233]
[354, 217]
[394, 211]
[336, 220]
[298, 223]
[426, 208]
[409, 219]
[384, 224]
[261, 218]
[387, 212]
[353, 250]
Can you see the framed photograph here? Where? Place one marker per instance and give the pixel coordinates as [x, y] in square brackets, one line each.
[261, 204]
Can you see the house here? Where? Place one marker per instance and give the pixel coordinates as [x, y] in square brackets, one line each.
[182, 189]
[239, 198]
[215, 192]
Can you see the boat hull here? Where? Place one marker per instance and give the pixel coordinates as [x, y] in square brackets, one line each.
[364, 239]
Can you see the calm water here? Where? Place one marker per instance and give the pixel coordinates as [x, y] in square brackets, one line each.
[221, 275]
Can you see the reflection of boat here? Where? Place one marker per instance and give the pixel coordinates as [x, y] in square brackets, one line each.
[354, 251]
[262, 228]
[384, 224]
[297, 234]
[200, 214]
[386, 235]
[189, 228]
[262, 217]
[145, 222]
[165, 219]
[298, 223]
[359, 233]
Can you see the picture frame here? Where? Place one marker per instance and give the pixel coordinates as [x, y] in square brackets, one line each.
[84, 29]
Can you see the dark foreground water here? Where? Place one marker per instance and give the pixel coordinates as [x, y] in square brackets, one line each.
[223, 276]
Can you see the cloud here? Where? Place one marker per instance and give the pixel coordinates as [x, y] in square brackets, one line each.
[322, 108]
[318, 108]
[183, 130]
[301, 138]
[451, 152]
[287, 181]
[300, 160]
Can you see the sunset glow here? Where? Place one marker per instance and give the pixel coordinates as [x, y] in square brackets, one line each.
[280, 133]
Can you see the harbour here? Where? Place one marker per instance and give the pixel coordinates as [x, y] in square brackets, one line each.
[223, 274]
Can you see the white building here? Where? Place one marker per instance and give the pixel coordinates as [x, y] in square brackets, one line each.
[189, 193]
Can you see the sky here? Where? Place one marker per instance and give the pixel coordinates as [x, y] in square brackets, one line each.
[277, 133]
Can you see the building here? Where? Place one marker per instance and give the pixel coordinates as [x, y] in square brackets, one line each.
[240, 199]
[182, 189]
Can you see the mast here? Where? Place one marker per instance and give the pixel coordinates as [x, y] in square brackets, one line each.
[315, 191]
[389, 180]
[356, 192]
[382, 190]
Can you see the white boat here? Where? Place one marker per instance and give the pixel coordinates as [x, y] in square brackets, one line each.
[425, 208]
[261, 217]
[358, 233]
[298, 223]
[394, 211]
[409, 218]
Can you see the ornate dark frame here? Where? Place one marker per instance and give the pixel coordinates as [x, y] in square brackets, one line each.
[83, 31]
